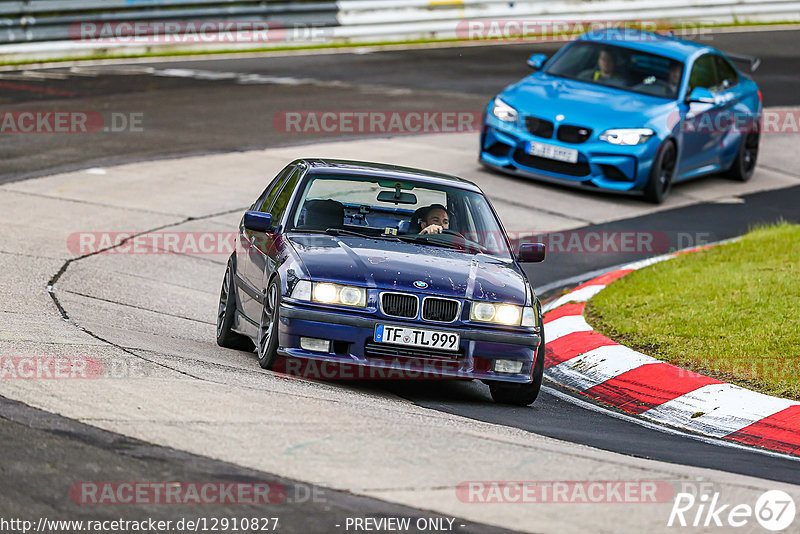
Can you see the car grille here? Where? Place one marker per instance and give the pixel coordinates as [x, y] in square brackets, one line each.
[573, 134]
[399, 305]
[539, 127]
[439, 310]
[379, 351]
[560, 167]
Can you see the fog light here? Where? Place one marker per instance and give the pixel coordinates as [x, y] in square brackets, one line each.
[315, 345]
[511, 367]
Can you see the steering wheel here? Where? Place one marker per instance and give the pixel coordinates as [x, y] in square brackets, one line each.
[469, 243]
[453, 232]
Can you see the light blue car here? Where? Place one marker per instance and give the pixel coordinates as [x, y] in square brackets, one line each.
[626, 111]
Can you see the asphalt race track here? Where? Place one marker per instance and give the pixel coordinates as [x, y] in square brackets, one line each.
[218, 116]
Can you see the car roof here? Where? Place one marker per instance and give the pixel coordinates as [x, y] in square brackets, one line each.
[384, 171]
[654, 43]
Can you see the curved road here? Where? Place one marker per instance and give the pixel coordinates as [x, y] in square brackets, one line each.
[218, 105]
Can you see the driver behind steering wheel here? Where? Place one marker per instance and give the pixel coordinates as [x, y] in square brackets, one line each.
[435, 220]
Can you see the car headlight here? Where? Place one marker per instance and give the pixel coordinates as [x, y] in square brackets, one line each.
[327, 293]
[627, 136]
[503, 111]
[507, 314]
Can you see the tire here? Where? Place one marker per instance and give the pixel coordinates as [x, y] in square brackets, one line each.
[226, 312]
[267, 346]
[521, 394]
[661, 173]
[745, 162]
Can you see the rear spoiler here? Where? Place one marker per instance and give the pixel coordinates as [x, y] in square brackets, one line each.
[752, 61]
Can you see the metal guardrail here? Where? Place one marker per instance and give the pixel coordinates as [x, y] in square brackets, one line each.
[53, 20]
[406, 10]
[46, 28]
[439, 18]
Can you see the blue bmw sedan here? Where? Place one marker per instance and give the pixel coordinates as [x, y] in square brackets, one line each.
[382, 267]
[626, 111]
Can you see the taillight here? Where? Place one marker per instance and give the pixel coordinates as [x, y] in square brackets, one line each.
[760, 98]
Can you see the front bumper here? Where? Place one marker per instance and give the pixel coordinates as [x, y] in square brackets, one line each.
[600, 164]
[352, 345]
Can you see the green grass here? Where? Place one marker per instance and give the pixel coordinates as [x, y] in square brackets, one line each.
[335, 45]
[731, 312]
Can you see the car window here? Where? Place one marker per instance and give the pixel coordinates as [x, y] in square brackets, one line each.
[727, 74]
[364, 204]
[704, 73]
[619, 67]
[265, 200]
[284, 193]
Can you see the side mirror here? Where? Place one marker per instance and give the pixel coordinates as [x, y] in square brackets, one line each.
[701, 95]
[255, 221]
[531, 253]
[536, 61]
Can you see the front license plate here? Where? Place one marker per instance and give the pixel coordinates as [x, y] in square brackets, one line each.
[416, 337]
[543, 150]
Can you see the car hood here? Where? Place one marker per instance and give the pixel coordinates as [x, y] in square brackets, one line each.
[396, 265]
[583, 104]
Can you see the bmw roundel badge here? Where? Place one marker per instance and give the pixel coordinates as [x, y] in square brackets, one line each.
[419, 284]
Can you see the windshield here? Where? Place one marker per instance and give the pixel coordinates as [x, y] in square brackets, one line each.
[619, 67]
[410, 211]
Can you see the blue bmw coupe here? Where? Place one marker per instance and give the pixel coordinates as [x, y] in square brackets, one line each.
[381, 267]
[626, 111]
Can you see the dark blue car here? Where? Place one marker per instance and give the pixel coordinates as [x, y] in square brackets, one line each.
[626, 111]
[370, 266]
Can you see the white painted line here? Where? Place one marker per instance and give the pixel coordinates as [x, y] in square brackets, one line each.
[565, 325]
[648, 262]
[581, 295]
[717, 409]
[597, 366]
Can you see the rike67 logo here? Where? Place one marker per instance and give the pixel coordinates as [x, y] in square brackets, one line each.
[774, 511]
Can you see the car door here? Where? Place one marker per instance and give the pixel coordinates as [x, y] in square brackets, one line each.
[248, 269]
[736, 113]
[266, 248]
[698, 139]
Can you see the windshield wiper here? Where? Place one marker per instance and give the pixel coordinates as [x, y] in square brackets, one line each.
[424, 239]
[341, 231]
